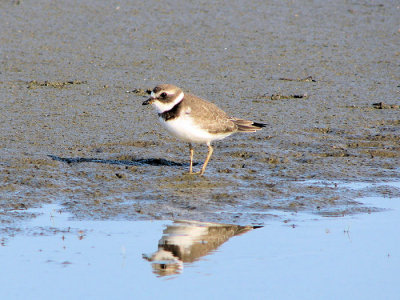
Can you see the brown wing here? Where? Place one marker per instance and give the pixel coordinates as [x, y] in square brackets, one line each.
[208, 116]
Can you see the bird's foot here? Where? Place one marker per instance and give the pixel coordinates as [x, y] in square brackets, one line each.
[194, 173]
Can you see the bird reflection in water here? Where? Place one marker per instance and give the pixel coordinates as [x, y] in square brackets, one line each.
[187, 241]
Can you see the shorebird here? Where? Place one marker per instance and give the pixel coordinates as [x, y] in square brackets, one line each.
[195, 120]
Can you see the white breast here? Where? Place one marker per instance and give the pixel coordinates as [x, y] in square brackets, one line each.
[184, 128]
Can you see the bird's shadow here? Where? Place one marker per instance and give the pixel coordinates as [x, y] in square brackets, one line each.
[124, 162]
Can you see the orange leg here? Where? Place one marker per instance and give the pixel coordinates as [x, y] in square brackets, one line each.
[191, 158]
[210, 152]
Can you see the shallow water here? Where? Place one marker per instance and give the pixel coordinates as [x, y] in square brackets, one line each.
[298, 256]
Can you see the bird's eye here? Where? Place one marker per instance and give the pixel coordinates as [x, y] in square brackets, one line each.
[163, 95]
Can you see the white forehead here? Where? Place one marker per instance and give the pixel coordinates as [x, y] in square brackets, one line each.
[169, 90]
[154, 95]
[162, 107]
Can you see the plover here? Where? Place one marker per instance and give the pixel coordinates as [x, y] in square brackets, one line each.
[195, 120]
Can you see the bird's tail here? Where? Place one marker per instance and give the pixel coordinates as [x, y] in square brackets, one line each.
[247, 126]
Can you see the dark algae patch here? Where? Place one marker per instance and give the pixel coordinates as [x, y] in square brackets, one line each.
[382, 105]
[55, 84]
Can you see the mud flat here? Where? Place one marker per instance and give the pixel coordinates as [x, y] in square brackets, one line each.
[323, 76]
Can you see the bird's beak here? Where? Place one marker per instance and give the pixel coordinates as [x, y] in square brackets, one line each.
[151, 99]
[148, 101]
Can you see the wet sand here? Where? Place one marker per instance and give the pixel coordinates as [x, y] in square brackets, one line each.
[74, 132]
